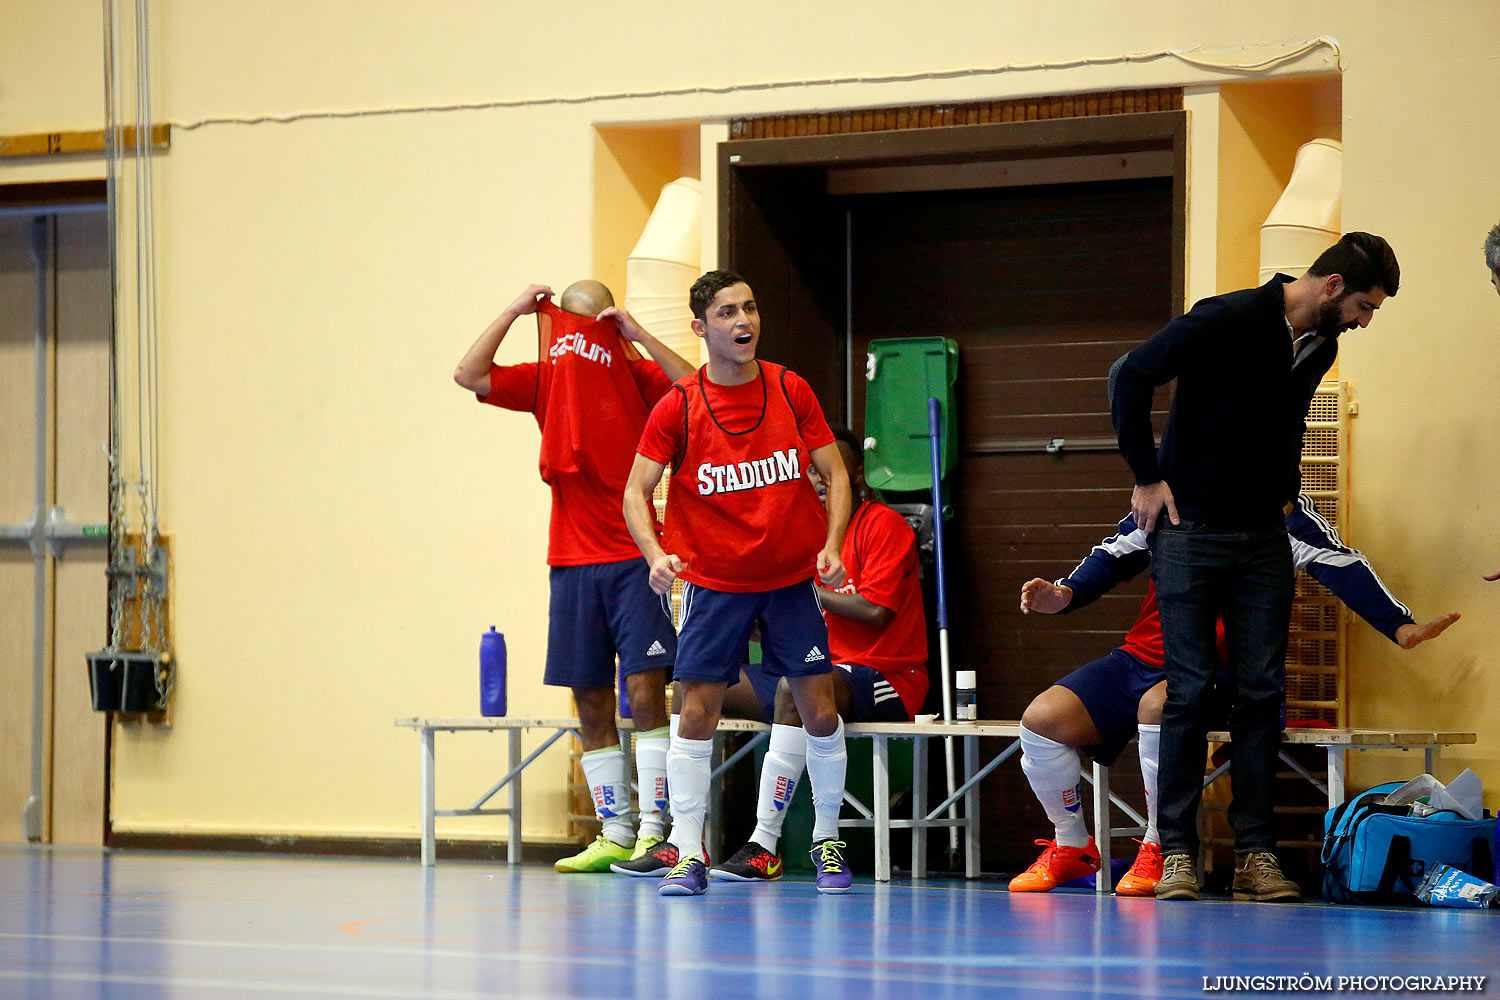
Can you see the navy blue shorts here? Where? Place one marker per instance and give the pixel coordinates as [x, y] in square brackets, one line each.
[598, 611]
[764, 685]
[871, 695]
[716, 626]
[874, 700]
[1111, 689]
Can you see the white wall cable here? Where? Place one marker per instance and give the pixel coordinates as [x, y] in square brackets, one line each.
[1190, 56]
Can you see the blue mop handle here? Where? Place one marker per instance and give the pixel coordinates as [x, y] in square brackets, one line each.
[934, 431]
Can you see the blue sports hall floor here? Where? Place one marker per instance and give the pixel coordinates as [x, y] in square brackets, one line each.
[128, 924]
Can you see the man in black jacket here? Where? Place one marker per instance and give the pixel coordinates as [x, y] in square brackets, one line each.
[1246, 365]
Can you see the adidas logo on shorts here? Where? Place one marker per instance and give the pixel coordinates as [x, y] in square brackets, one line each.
[656, 649]
[814, 655]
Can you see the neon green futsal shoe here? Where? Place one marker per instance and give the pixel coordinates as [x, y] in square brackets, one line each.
[597, 857]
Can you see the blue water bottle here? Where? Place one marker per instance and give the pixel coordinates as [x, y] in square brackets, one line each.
[624, 707]
[492, 673]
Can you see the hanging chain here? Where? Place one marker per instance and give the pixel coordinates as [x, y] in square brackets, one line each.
[117, 528]
[143, 575]
[137, 570]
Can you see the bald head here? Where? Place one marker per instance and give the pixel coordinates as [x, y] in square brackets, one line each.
[586, 298]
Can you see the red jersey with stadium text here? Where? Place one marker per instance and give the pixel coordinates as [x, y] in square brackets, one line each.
[741, 513]
[590, 394]
[880, 556]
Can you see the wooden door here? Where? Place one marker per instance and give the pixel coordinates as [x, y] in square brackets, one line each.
[67, 292]
[849, 238]
[1042, 288]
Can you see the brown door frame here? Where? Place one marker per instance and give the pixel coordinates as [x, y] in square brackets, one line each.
[748, 208]
[1064, 137]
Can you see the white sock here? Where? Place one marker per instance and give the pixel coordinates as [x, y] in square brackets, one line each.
[687, 785]
[651, 770]
[827, 762]
[1148, 748]
[1054, 773]
[786, 758]
[604, 770]
[673, 721]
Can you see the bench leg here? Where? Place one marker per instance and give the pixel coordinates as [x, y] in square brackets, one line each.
[713, 836]
[429, 797]
[1434, 753]
[971, 808]
[1337, 762]
[1103, 882]
[881, 787]
[513, 840]
[632, 786]
[919, 806]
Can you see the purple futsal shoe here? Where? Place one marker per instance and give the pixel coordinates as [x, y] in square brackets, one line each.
[688, 878]
[833, 872]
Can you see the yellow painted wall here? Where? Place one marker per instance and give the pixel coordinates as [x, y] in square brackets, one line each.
[1262, 124]
[631, 165]
[346, 521]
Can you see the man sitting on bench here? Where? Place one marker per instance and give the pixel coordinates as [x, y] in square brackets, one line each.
[1099, 707]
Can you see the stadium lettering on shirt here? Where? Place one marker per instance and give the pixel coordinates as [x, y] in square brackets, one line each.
[575, 343]
[781, 467]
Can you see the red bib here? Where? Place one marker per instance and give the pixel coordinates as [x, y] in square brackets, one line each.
[742, 514]
[1144, 640]
[588, 404]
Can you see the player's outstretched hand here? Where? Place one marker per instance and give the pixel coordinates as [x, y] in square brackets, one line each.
[624, 322]
[663, 571]
[1043, 597]
[530, 299]
[1412, 636]
[831, 569]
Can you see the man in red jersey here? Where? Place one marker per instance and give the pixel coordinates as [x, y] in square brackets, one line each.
[745, 531]
[877, 635]
[590, 394]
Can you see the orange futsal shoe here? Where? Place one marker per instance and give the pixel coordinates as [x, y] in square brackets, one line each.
[1056, 866]
[1144, 874]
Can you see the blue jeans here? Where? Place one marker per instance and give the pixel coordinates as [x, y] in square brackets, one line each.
[1244, 578]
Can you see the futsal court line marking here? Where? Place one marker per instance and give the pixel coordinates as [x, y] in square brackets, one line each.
[168, 897]
[1027, 904]
[723, 961]
[322, 988]
[819, 967]
[319, 988]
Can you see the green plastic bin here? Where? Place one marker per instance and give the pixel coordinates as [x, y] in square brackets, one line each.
[901, 375]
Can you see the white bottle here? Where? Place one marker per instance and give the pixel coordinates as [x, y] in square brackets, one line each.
[965, 697]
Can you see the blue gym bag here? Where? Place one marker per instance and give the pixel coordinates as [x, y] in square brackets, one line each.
[1374, 853]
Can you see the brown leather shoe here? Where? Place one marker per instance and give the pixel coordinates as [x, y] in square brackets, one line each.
[1178, 880]
[1258, 877]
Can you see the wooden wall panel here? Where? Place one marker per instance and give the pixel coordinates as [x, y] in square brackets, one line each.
[77, 406]
[1042, 288]
[81, 421]
[1028, 109]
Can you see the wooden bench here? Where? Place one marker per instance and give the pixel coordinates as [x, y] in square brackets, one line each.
[876, 815]
[1338, 743]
